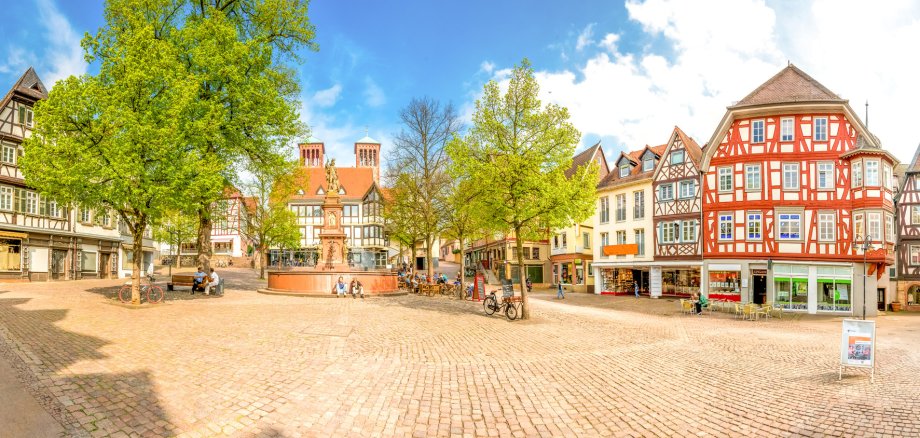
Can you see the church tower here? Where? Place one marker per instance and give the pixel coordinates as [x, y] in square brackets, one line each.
[311, 153]
[367, 154]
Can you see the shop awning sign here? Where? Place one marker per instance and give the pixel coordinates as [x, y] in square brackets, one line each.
[857, 346]
[622, 249]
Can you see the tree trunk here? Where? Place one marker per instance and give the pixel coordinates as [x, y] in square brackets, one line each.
[412, 256]
[428, 243]
[462, 263]
[138, 249]
[519, 243]
[204, 239]
[263, 256]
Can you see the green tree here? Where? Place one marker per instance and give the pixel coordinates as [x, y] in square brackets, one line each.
[461, 221]
[401, 217]
[517, 151]
[269, 222]
[421, 163]
[175, 228]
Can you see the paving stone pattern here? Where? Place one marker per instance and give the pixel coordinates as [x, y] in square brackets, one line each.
[257, 365]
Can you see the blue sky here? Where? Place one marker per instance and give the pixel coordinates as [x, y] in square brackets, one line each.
[628, 72]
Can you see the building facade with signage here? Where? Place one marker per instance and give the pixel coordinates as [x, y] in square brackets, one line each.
[490, 254]
[623, 226]
[571, 250]
[793, 182]
[676, 191]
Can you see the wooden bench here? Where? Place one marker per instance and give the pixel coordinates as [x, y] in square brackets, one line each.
[180, 280]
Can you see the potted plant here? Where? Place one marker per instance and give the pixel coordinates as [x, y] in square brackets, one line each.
[895, 306]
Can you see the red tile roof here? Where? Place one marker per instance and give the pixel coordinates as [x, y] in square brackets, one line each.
[613, 178]
[693, 149]
[356, 181]
[789, 85]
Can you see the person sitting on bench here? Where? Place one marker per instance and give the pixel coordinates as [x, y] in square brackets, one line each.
[197, 279]
[356, 288]
[213, 283]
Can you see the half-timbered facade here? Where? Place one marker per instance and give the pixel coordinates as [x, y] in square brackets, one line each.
[571, 253]
[623, 224]
[908, 249]
[676, 193]
[362, 214]
[40, 239]
[791, 179]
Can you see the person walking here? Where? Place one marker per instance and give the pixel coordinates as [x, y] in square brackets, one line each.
[636, 287]
[560, 294]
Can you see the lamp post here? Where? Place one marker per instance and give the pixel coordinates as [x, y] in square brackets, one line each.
[865, 245]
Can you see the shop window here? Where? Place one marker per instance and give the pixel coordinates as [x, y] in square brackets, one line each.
[10, 255]
[834, 288]
[88, 261]
[791, 286]
[725, 285]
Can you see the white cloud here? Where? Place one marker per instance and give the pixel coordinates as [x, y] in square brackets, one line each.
[584, 38]
[63, 56]
[487, 67]
[705, 65]
[373, 93]
[328, 97]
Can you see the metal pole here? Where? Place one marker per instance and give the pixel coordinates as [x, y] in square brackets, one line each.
[865, 274]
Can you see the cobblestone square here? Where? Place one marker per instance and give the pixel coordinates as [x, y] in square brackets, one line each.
[256, 365]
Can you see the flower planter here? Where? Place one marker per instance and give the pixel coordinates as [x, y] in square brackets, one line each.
[895, 307]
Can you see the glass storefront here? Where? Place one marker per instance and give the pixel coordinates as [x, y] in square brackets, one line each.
[835, 288]
[680, 281]
[725, 285]
[623, 280]
[790, 286]
[10, 255]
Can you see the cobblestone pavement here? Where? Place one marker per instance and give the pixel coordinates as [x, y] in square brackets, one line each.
[258, 365]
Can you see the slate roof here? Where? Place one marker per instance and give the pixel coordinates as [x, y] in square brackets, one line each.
[613, 178]
[585, 157]
[789, 85]
[28, 86]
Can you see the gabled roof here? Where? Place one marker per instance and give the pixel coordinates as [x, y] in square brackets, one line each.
[356, 181]
[789, 85]
[914, 165]
[690, 145]
[28, 86]
[586, 156]
[613, 178]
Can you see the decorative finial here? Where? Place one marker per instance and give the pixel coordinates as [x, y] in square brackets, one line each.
[867, 113]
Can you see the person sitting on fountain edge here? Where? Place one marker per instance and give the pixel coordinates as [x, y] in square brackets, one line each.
[339, 288]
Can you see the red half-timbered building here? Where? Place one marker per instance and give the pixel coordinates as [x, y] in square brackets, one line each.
[676, 213]
[791, 179]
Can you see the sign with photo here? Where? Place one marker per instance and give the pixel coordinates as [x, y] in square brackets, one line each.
[655, 282]
[857, 345]
[507, 288]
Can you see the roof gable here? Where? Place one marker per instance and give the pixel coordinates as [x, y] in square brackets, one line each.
[789, 85]
[586, 156]
[692, 151]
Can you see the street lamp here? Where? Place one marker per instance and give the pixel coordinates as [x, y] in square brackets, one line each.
[865, 245]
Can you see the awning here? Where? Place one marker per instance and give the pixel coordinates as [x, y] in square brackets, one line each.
[14, 235]
[131, 247]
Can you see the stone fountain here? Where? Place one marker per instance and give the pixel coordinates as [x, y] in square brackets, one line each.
[332, 262]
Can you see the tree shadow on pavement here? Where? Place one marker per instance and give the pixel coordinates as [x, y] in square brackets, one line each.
[48, 361]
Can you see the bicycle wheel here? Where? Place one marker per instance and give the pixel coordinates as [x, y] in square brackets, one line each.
[155, 294]
[511, 312]
[490, 305]
[124, 294]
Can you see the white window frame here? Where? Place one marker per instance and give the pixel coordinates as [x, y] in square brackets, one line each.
[749, 171]
[728, 173]
[53, 209]
[858, 226]
[688, 231]
[9, 154]
[666, 192]
[914, 255]
[621, 237]
[639, 204]
[727, 219]
[648, 164]
[820, 134]
[793, 223]
[624, 170]
[791, 172]
[915, 214]
[886, 176]
[605, 241]
[668, 232]
[754, 217]
[872, 175]
[639, 235]
[6, 198]
[757, 125]
[856, 174]
[826, 170]
[889, 228]
[677, 157]
[787, 129]
[827, 223]
[687, 189]
[621, 207]
[605, 209]
[31, 203]
[874, 226]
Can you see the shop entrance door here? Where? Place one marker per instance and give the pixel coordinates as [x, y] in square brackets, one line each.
[104, 260]
[881, 299]
[759, 288]
[58, 271]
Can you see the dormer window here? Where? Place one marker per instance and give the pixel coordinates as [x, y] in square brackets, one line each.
[648, 164]
[624, 170]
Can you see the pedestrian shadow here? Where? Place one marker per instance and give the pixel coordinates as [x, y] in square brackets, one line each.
[48, 359]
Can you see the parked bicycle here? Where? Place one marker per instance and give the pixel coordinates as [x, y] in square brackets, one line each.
[150, 291]
[509, 306]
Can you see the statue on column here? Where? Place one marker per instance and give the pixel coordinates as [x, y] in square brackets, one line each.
[332, 178]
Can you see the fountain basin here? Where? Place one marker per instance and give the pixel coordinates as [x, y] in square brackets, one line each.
[311, 282]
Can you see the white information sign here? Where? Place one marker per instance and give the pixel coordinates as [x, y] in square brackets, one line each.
[857, 345]
[655, 282]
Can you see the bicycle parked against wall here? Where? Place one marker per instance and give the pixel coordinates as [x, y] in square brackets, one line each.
[509, 305]
[150, 291]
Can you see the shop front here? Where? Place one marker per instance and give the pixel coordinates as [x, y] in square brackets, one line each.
[724, 282]
[623, 280]
[813, 289]
[572, 270]
[679, 281]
